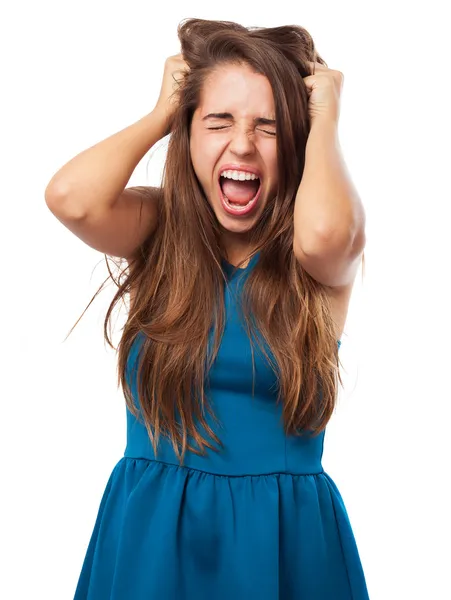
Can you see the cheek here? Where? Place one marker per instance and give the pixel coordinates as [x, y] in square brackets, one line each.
[268, 152]
[202, 165]
[272, 168]
[197, 159]
[204, 156]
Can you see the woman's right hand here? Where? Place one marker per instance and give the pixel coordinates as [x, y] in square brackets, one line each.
[174, 69]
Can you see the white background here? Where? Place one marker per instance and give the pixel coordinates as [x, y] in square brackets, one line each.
[73, 73]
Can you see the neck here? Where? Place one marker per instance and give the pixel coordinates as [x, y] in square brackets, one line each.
[237, 247]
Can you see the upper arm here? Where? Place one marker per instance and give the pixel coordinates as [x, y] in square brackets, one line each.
[119, 230]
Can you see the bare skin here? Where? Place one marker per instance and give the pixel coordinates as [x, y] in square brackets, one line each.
[245, 96]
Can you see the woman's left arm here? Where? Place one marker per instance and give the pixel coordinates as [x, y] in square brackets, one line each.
[329, 217]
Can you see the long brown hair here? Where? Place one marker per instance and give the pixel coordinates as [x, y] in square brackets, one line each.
[178, 277]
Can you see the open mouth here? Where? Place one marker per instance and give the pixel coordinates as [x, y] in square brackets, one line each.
[239, 191]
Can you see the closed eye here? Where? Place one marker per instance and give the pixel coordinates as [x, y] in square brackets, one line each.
[224, 126]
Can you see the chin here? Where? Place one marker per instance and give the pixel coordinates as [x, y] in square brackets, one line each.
[234, 224]
[236, 227]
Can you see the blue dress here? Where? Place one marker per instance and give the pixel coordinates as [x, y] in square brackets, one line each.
[260, 519]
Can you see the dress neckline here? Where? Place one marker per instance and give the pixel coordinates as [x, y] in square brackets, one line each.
[232, 270]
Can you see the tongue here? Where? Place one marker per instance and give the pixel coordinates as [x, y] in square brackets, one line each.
[240, 192]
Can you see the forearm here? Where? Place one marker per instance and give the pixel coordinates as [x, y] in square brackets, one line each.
[327, 203]
[97, 176]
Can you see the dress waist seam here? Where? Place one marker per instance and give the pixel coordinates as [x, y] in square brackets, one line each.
[227, 475]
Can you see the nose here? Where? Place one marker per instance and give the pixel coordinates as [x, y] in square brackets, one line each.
[241, 143]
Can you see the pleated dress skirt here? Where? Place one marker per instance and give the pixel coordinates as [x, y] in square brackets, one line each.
[259, 518]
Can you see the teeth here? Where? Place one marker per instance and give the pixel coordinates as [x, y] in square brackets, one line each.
[239, 175]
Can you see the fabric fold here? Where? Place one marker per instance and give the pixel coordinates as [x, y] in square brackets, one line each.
[165, 531]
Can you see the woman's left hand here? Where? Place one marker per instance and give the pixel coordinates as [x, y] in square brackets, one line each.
[324, 90]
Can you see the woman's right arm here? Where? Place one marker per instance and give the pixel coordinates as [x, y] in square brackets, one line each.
[88, 193]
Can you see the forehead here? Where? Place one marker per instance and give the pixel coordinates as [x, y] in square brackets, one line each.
[238, 90]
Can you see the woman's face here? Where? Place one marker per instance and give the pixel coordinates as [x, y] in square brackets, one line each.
[233, 134]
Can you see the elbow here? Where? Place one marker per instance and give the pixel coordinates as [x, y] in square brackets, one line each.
[60, 202]
[56, 190]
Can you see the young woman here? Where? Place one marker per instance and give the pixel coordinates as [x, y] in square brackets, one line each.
[240, 270]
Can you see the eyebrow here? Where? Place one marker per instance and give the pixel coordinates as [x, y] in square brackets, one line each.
[225, 115]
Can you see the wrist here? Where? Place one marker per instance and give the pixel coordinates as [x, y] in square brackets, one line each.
[324, 121]
[161, 115]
